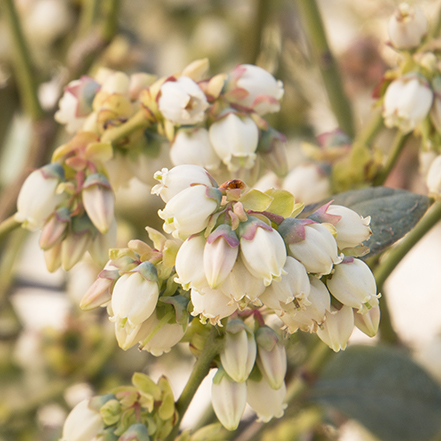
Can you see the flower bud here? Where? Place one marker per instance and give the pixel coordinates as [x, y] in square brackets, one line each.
[337, 328]
[309, 183]
[271, 357]
[352, 229]
[37, 198]
[353, 284]
[136, 432]
[264, 400]
[228, 399]
[263, 90]
[235, 139]
[172, 182]
[239, 353]
[369, 321]
[135, 295]
[433, 180]
[211, 304]
[189, 211]
[241, 283]
[194, 147]
[407, 27]
[407, 102]
[293, 286]
[55, 229]
[99, 201]
[82, 424]
[182, 101]
[262, 249]
[316, 250]
[220, 254]
[52, 257]
[116, 82]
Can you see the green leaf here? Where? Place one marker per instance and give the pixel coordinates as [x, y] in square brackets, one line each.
[383, 389]
[283, 203]
[393, 212]
[256, 200]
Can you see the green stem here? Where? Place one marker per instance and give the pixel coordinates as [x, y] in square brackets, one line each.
[137, 121]
[7, 226]
[314, 28]
[200, 371]
[110, 23]
[23, 68]
[394, 154]
[369, 132]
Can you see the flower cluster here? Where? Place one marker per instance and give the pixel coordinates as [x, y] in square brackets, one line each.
[144, 411]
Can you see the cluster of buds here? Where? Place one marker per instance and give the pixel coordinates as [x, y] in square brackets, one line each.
[142, 412]
[249, 249]
[137, 288]
[252, 369]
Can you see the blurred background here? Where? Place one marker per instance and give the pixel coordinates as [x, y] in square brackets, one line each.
[52, 354]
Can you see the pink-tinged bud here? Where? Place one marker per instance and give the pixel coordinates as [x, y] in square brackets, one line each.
[193, 147]
[337, 328]
[239, 353]
[353, 284]
[100, 291]
[135, 296]
[317, 251]
[76, 103]
[311, 317]
[99, 201]
[220, 254]
[55, 229]
[77, 241]
[433, 179]
[37, 198]
[271, 357]
[228, 399]
[262, 249]
[263, 91]
[266, 401]
[52, 257]
[407, 102]
[82, 424]
[99, 248]
[309, 183]
[241, 283]
[182, 101]
[234, 139]
[294, 286]
[211, 304]
[189, 211]
[190, 263]
[369, 321]
[352, 229]
[407, 27]
[172, 182]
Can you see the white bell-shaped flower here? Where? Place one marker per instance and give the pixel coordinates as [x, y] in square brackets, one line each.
[337, 328]
[239, 352]
[234, 139]
[407, 102]
[211, 304]
[173, 181]
[407, 27]
[369, 321]
[318, 251]
[189, 263]
[313, 315]
[352, 229]
[264, 91]
[182, 101]
[241, 283]
[135, 295]
[293, 286]
[262, 249]
[189, 211]
[220, 254]
[309, 183]
[353, 284]
[82, 424]
[271, 357]
[194, 147]
[266, 401]
[229, 399]
[38, 198]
